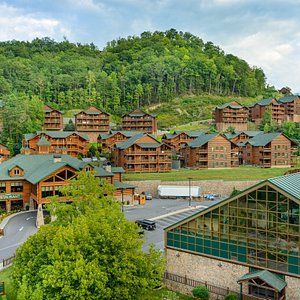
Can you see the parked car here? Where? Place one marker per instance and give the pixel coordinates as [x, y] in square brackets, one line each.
[148, 196]
[210, 197]
[146, 224]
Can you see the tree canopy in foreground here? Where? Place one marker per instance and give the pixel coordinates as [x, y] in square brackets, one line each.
[89, 252]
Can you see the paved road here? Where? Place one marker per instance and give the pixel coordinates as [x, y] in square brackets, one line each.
[16, 232]
[159, 207]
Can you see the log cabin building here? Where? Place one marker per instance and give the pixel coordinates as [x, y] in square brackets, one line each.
[29, 180]
[269, 150]
[139, 120]
[247, 244]
[4, 153]
[142, 153]
[257, 111]
[110, 139]
[211, 150]
[92, 121]
[231, 115]
[60, 142]
[53, 119]
[179, 139]
[291, 106]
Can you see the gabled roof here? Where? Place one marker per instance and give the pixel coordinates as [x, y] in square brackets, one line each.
[123, 185]
[135, 138]
[265, 102]
[92, 110]
[126, 133]
[43, 142]
[48, 108]
[268, 277]
[288, 184]
[138, 113]
[117, 170]
[233, 105]
[263, 139]
[202, 140]
[250, 133]
[288, 99]
[55, 134]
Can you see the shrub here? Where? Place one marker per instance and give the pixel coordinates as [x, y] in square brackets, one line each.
[231, 297]
[201, 292]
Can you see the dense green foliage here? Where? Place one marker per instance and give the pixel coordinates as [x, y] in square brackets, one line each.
[89, 252]
[201, 292]
[231, 297]
[152, 68]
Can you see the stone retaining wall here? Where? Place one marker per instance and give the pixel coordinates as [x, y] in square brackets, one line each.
[208, 186]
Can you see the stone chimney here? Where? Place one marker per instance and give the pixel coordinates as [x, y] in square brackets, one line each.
[108, 168]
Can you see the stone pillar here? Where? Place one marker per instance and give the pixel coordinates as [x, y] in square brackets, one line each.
[40, 217]
[8, 205]
[31, 204]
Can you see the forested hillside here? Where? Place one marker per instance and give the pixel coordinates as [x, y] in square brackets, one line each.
[152, 68]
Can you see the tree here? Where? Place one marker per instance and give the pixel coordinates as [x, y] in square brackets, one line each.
[89, 252]
[70, 126]
[201, 292]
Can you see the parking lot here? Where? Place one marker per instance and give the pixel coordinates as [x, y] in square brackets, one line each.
[165, 212]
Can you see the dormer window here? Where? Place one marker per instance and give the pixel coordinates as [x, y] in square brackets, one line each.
[17, 172]
[88, 168]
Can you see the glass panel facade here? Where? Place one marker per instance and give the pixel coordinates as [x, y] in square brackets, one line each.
[260, 229]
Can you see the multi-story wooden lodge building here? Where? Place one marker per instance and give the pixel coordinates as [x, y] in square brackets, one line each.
[143, 153]
[29, 180]
[92, 121]
[139, 120]
[110, 139]
[291, 106]
[53, 119]
[63, 142]
[247, 245]
[257, 110]
[4, 153]
[270, 150]
[179, 139]
[210, 151]
[231, 115]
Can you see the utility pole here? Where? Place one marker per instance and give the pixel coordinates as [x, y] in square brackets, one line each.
[190, 195]
[122, 199]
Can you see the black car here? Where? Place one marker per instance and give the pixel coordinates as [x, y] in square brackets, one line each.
[146, 224]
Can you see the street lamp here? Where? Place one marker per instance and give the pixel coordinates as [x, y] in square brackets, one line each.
[190, 195]
[122, 193]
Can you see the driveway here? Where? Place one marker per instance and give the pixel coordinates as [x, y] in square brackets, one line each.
[16, 232]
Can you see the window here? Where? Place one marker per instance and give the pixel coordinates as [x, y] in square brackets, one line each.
[2, 187]
[17, 172]
[16, 187]
[47, 191]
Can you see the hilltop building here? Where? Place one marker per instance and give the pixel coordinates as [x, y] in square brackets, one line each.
[60, 142]
[231, 115]
[92, 121]
[143, 153]
[139, 120]
[257, 111]
[291, 106]
[249, 243]
[210, 151]
[53, 119]
[29, 180]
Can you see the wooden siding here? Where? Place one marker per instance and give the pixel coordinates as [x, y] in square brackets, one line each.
[146, 123]
[53, 119]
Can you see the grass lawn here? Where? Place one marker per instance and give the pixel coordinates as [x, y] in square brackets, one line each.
[235, 174]
[164, 294]
[9, 290]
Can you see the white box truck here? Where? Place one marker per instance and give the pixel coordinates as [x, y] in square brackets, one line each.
[177, 191]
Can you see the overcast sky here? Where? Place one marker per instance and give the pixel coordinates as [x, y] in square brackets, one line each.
[266, 33]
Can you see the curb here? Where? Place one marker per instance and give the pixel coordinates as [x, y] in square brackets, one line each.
[8, 218]
[177, 212]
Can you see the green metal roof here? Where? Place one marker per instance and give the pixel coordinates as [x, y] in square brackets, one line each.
[130, 141]
[138, 113]
[265, 102]
[230, 105]
[268, 277]
[43, 142]
[101, 172]
[117, 170]
[123, 185]
[288, 99]
[149, 145]
[263, 139]
[126, 133]
[55, 134]
[201, 140]
[288, 183]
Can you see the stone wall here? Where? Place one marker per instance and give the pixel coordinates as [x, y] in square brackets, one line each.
[208, 186]
[215, 272]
